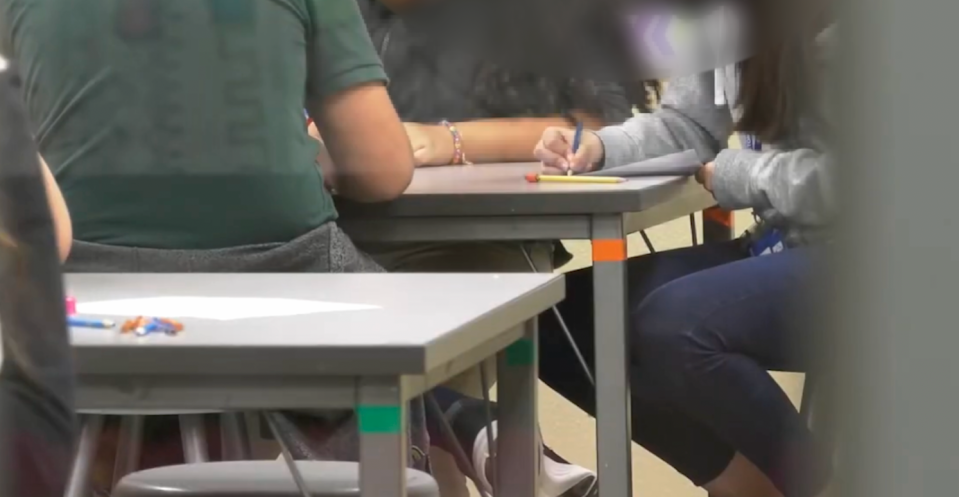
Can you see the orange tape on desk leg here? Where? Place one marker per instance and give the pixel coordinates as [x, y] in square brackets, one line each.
[609, 250]
[717, 215]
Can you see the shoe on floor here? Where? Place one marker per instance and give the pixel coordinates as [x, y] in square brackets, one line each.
[558, 478]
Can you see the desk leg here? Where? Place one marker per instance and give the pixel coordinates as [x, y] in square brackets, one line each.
[717, 225]
[518, 445]
[383, 429]
[129, 447]
[612, 381]
[193, 436]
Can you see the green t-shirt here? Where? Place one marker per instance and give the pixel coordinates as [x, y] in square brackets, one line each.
[179, 123]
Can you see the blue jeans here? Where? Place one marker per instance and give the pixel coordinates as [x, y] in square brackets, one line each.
[706, 323]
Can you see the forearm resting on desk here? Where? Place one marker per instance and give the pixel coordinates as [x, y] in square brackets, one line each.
[333, 178]
[371, 155]
[511, 139]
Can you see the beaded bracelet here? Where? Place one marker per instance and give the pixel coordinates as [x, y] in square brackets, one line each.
[459, 158]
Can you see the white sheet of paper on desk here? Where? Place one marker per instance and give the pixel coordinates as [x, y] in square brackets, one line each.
[216, 308]
[678, 164]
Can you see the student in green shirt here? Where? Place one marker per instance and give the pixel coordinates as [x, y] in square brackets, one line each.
[179, 124]
[175, 130]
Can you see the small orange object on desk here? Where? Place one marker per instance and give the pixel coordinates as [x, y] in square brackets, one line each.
[553, 178]
[130, 325]
[141, 325]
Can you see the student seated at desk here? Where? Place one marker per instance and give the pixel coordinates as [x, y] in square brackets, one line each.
[459, 108]
[175, 129]
[707, 322]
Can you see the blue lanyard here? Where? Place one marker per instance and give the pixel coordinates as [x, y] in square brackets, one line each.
[751, 142]
[771, 241]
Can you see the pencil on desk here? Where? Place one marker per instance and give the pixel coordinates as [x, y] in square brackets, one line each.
[75, 322]
[577, 139]
[552, 178]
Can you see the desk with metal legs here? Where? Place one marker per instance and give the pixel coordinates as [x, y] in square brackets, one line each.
[297, 351]
[493, 202]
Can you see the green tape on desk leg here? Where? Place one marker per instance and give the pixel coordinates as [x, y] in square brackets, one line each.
[379, 419]
[520, 353]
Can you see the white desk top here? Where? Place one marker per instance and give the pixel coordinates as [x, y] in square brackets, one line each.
[415, 321]
[501, 189]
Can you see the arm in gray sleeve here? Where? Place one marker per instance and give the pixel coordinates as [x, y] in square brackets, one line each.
[794, 183]
[688, 119]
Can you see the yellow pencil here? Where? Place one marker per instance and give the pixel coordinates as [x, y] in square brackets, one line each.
[552, 178]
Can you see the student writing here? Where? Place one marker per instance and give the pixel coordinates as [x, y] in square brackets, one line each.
[707, 322]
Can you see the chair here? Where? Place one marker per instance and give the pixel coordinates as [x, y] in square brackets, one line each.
[259, 479]
[236, 444]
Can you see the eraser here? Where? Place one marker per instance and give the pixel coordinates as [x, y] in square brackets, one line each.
[532, 178]
[71, 306]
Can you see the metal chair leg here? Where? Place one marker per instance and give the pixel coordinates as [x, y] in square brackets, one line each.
[129, 447]
[458, 453]
[236, 437]
[692, 230]
[562, 324]
[193, 435]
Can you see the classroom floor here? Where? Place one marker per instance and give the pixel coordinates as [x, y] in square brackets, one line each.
[571, 433]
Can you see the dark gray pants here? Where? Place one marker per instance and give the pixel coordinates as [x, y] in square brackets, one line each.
[324, 250]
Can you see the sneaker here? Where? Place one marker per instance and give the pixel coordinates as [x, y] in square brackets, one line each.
[557, 477]
[563, 479]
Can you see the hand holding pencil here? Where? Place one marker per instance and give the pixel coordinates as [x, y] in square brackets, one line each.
[559, 155]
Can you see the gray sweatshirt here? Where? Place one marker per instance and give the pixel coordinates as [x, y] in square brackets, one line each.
[787, 184]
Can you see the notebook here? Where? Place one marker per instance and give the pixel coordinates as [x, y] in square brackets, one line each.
[678, 164]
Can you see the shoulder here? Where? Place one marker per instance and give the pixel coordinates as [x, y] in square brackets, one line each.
[338, 22]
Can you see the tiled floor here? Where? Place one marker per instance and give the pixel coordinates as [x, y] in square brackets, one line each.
[571, 433]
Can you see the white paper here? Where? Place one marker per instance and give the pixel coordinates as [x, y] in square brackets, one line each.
[216, 308]
[677, 164]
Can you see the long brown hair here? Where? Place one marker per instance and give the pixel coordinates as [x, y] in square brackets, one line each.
[779, 83]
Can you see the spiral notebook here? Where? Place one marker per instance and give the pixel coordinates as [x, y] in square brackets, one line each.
[678, 164]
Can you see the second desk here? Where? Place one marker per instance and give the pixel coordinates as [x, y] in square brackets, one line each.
[493, 202]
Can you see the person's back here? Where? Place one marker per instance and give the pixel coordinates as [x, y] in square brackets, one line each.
[176, 131]
[178, 124]
[37, 422]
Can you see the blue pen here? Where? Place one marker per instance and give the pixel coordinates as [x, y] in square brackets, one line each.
[75, 322]
[149, 328]
[577, 138]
